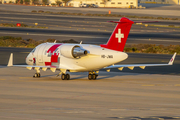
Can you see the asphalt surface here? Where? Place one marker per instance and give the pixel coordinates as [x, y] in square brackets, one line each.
[112, 96]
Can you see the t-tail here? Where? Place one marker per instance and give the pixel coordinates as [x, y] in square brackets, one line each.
[120, 34]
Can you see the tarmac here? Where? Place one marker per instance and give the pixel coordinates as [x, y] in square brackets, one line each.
[114, 95]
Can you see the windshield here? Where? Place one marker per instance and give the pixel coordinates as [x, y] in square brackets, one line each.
[33, 50]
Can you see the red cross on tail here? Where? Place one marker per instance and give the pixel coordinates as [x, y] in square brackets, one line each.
[120, 34]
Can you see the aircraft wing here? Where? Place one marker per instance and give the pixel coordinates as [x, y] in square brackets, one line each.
[142, 66]
[44, 68]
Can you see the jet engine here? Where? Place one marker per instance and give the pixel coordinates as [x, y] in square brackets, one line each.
[72, 51]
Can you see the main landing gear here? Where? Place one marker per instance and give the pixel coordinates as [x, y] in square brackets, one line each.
[65, 76]
[37, 75]
[92, 76]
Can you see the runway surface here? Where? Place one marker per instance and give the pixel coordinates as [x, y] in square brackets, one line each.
[113, 96]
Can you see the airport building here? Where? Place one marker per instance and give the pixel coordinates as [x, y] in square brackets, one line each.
[161, 1]
[105, 3]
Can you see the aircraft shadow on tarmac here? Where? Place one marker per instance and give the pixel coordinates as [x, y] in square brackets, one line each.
[2, 66]
[83, 76]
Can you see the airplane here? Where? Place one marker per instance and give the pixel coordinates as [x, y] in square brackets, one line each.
[84, 57]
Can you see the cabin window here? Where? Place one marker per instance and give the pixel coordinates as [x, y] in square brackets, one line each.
[131, 2]
[127, 3]
[119, 3]
[112, 2]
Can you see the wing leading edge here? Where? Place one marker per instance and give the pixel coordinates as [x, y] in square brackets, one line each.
[142, 66]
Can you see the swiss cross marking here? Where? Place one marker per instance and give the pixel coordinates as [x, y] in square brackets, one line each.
[119, 35]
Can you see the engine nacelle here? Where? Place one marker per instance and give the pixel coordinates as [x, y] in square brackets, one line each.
[72, 51]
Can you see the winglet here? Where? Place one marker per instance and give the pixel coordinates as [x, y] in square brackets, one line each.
[172, 59]
[10, 63]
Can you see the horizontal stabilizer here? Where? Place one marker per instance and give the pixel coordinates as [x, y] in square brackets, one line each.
[133, 21]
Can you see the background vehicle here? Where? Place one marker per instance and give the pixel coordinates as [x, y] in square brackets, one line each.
[83, 5]
[93, 5]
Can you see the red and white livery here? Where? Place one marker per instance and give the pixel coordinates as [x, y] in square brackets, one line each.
[83, 57]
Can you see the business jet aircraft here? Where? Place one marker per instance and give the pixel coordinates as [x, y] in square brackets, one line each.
[83, 57]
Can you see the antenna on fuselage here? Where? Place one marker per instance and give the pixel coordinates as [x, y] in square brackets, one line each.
[55, 41]
[80, 42]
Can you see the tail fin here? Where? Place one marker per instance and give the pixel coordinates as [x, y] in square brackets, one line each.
[120, 34]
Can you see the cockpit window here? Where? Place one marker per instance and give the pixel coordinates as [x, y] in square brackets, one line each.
[33, 50]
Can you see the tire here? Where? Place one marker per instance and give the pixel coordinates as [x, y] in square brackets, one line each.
[63, 77]
[35, 75]
[90, 76]
[94, 76]
[38, 75]
[67, 76]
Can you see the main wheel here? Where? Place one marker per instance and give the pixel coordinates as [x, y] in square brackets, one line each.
[38, 75]
[94, 76]
[63, 77]
[35, 75]
[67, 76]
[90, 76]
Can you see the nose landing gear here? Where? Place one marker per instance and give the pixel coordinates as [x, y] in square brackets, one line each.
[37, 74]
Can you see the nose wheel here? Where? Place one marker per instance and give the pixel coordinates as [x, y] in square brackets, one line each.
[65, 76]
[37, 75]
[92, 76]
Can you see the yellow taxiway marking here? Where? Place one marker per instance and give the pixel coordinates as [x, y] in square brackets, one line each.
[177, 85]
[2, 79]
[24, 52]
[148, 85]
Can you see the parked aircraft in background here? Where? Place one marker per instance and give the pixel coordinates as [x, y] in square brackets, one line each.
[83, 57]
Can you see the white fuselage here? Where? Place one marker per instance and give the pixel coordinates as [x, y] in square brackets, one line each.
[50, 54]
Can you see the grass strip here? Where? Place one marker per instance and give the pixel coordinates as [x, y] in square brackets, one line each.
[105, 15]
[152, 48]
[9, 41]
[22, 25]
